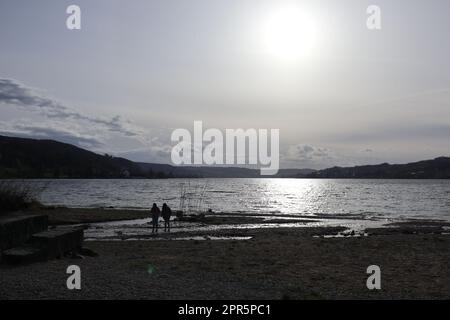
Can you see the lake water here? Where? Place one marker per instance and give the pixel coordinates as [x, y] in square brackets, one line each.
[425, 199]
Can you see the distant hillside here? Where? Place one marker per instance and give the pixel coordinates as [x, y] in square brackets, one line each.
[438, 168]
[220, 172]
[202, 172]
[294, 173]
[30, 158]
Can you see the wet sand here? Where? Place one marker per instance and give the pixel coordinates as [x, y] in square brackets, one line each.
[279, 263]
[62, 215]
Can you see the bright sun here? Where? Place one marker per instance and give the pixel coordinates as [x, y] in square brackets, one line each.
[289, 33]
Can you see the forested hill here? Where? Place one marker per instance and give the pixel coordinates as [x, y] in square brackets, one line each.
[30, 158]
[438, 168]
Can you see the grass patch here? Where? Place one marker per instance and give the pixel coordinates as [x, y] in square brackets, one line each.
[17, 195]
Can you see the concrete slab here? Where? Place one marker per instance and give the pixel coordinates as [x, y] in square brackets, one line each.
[57, 242]
[17, 228]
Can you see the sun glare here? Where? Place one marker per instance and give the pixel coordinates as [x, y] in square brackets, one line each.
[289, 33]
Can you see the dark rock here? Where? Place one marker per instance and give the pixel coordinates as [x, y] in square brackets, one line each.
[75, 255]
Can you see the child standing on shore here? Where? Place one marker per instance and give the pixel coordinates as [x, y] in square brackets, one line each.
[166, 213]
[155, 212]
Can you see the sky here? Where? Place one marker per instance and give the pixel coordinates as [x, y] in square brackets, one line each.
[339, 93]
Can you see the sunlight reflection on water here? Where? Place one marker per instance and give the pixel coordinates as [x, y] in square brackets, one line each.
[388, 198]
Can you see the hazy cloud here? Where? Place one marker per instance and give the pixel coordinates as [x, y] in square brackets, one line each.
[306, 152]
[13, 92]
[51, 130]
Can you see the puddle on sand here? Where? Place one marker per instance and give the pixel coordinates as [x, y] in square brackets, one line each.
[193, 238]
[343, 235]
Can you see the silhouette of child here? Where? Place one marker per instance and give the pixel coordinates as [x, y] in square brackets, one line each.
[155, 212]
[166, 213]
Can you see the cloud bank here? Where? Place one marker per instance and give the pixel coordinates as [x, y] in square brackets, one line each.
[15, 93]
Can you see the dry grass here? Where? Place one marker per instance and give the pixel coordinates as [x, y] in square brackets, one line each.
[16, 195]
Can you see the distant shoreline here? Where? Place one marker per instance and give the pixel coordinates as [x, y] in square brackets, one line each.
[23, 158]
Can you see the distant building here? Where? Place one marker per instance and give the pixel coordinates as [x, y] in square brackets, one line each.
[125, 173]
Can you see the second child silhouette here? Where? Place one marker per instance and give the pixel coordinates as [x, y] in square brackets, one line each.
[166, 213]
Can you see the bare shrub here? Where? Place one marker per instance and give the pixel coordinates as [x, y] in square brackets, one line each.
[17, 195]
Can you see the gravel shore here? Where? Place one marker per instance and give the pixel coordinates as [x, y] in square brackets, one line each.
[282, 263]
